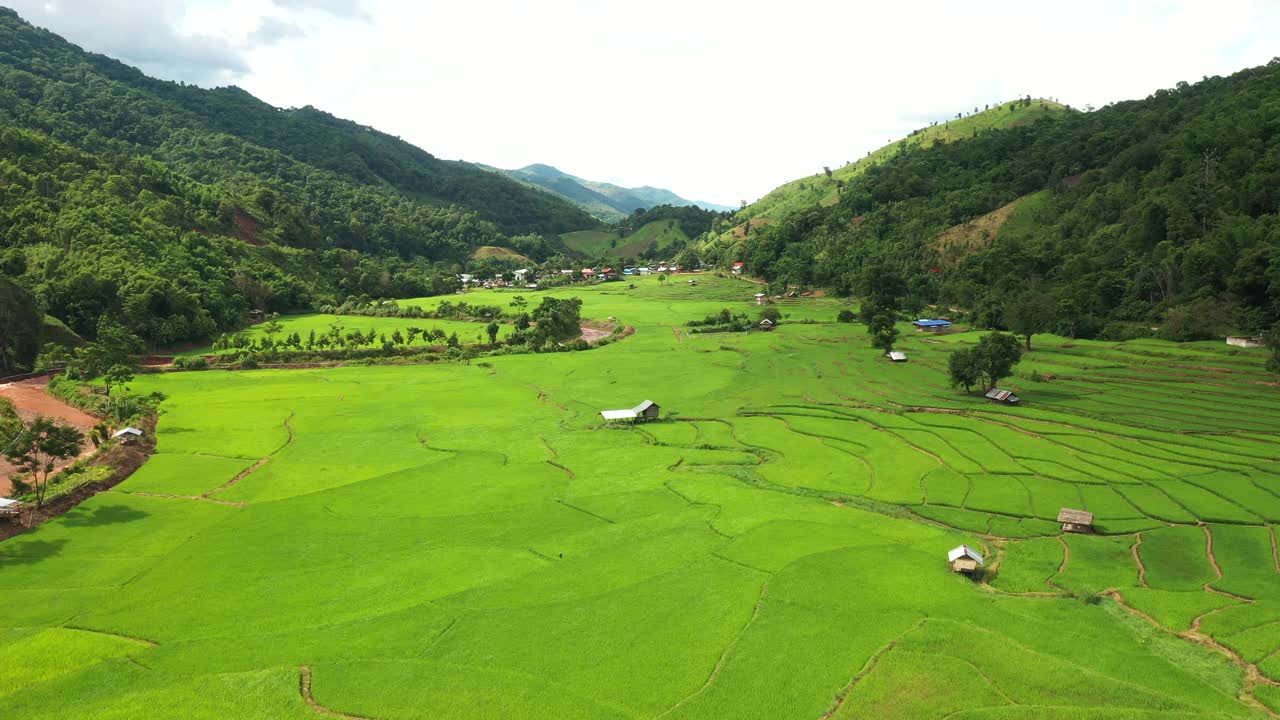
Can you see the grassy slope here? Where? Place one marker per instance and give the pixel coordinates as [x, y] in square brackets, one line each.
[818, 189]
[485, 251]
[470, 542]
[592, 243]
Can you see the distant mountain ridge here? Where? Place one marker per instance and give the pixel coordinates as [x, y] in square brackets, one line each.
[605, 201]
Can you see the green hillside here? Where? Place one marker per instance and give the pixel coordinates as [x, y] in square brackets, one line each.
[819, 189]
[1153, 213]
[178, 209]
[651, 237]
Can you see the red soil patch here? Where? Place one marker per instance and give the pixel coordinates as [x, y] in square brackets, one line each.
[30, 399]
[246, 228]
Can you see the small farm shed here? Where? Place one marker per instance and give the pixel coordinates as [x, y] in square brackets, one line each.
[926, 325]
[128, 435]
[964, 559]
[737, 268]
[9, 508]
[1076, 521]
[766, 324]
[762, 299]
[1246, 342]
[897, 356]
[1004, 397]
[647, 410]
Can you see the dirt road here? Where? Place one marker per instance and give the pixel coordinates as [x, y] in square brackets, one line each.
[30, 399]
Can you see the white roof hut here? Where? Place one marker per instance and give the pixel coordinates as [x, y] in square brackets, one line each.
[127, 433]
[647, 410]
[964, 559]
[9, 508]
[1076, 521]
[897, 356]
[1003, 396]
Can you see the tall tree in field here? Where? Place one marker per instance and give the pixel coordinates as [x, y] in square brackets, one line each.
[996, 354]
[1031, 312]
[492, 330]
[962, 365]
[883, 332]
[38, 448]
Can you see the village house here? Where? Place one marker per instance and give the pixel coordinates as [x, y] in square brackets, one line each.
[927, 325]
[1075, 521]
[964, 559]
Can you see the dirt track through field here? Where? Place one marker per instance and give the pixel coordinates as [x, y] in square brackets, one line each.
[304, 687]
[30, 399]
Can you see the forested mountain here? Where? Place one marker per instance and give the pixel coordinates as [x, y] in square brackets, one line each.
[1161, 210]
[823, 188]
[177, 209]
[608, 202]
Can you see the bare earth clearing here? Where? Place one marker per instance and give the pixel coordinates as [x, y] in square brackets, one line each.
[30, 399]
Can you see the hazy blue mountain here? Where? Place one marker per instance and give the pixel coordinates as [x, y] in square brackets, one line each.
[604, 200]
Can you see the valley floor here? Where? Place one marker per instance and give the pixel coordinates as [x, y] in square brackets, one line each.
[472, 541]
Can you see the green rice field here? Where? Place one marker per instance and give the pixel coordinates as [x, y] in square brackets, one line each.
[473, 541]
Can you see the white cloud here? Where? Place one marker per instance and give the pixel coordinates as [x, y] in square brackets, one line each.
[715, 99]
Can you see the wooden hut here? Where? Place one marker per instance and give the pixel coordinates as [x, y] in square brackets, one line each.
[928, 325]
[964, 559]
[1075, 521]
[1004, 397]
[766, 324]
[10, 509]
[897, 356]
[127, 436]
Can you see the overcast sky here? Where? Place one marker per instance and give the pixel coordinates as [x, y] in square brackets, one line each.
[718, 100]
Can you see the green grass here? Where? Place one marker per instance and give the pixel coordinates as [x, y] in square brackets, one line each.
[461, 541]
[656, 235]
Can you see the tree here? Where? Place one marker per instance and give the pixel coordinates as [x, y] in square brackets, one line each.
[559, 318]
[492, 330]
[883, 332]
[1272, 339]
[662, 278]
[1030, 313]
[114, 346]
[845, 316]
[962, 365]
[518, 302]
[39, 447]
[997, 353]
[20, 328]
[772, 314]
[116, 375]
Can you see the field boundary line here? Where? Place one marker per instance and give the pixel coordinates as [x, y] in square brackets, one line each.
[200, 498]
[1066, 559]
[1275, 552]
[1208, 551]
[724, 655]
[288, 426]
[1137, 558]
[870, 665]
[304, 688]
[131, 638]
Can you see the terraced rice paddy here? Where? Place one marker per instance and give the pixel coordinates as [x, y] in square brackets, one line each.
[455, 541]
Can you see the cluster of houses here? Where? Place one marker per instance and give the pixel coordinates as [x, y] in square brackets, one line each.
[532, 279]
[964, 559]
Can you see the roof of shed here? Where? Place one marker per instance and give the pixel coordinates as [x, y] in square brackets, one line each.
[1078, 517]
[964, 551]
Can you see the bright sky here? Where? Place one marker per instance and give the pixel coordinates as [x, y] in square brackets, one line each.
[718, 100]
